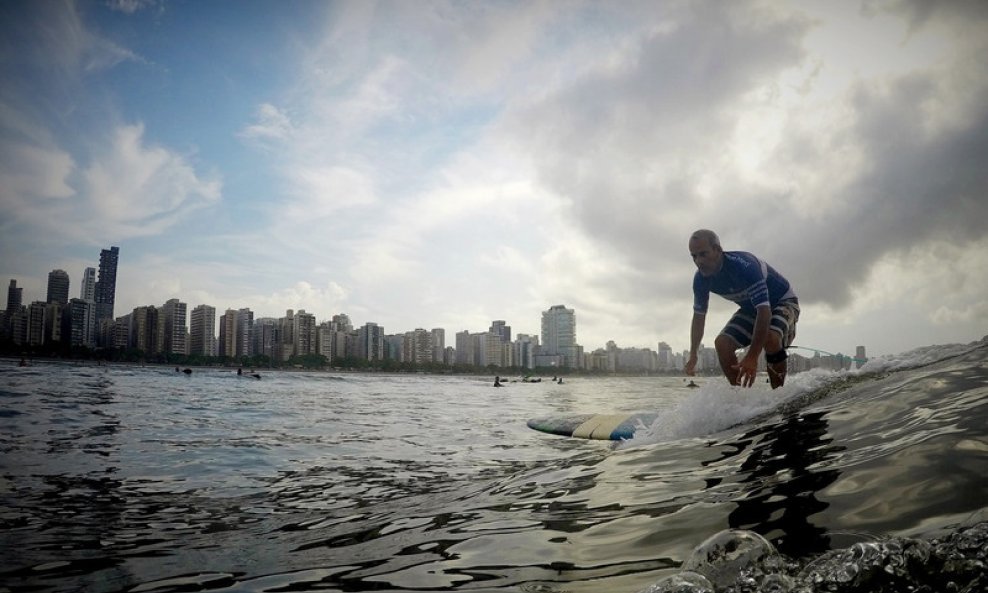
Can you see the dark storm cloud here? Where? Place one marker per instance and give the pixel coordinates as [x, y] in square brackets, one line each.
[632, 147]
[917, 187]
[629, 143]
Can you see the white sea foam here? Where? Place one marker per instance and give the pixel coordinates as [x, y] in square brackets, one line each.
[717, 406]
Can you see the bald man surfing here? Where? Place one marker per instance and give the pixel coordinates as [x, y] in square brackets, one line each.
[765, 321]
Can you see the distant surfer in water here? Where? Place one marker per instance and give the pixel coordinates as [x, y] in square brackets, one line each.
[765, 321]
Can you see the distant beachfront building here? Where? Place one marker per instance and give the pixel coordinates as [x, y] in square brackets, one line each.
[332, 339]
[173, 318]
[245, 329]
[438, 336]
[58, 287]
[81, 326]
[861, 356]
[14, 296]
[202, 336]
[144, 330]
[666, 359]
[370, 342]
[106, 286]
[88, 290]
[464, 348]
[394, 347]
[266, 338]
[525, 347]
[559, 347]
[236, 329]
[501, 330]
[341, 322]
[36, 323]
[489, 350]
[304, 333]
[118, 332]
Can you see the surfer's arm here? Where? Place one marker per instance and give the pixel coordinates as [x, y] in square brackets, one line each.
[749, 364]
[696, 335]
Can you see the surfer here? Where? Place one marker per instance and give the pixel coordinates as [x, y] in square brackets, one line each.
[765, 321]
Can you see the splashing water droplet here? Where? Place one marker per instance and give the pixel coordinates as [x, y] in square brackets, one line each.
[684, 582]
[729, 553]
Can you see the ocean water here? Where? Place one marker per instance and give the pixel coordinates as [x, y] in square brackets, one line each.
[122, 478]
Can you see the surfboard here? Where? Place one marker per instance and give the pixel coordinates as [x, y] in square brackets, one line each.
[604, 427]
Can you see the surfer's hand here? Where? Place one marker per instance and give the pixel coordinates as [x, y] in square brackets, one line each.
[690, 367]
[747, 369]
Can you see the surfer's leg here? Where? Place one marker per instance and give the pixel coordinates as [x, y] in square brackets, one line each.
[775, 359]
[781, 333]
[736, 334]
[726, 346]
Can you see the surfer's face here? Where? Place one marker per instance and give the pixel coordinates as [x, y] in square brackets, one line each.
[707, 257]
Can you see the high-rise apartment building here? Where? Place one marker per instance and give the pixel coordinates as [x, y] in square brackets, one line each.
[173, 318]
[58, 287]
[500, 329]
[226, 341]
[202, 331]
[36, 314]
[88, 290]
[488, 350]
[14, 296]
[144, 330]
[438, 345]
[417, 346]
[53, 322]
[860, 356]
[666, 359]
[106, 285]
[245, 331]
[267, 332]
[341, 322]
[370, 342]
[464, 347]
[118, 332]
[236, 330]
[304, 333]
[332, 341]
[80, 323]
[525, 348]
[559, 337]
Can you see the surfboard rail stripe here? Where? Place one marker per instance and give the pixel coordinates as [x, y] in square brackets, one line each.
[599, 426]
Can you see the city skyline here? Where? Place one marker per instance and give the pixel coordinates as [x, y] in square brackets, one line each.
[444, 165]
[184, 330]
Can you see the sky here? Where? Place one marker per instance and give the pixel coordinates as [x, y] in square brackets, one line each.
[448, 164]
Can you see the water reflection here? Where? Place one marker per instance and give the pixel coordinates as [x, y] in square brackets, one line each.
[783, 472]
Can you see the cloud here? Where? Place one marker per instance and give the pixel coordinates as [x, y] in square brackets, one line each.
[647, 147]
[320, 191]
[271, 124]
[140, 189]
[323, 301]
[136, 190]
[128, 189]
[32, 172]
[131, 6]
[63, 156]
[447, 164]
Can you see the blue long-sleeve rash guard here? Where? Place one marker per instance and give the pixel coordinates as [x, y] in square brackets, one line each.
[743, 279]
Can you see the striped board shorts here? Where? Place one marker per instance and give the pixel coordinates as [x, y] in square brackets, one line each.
[785, 314]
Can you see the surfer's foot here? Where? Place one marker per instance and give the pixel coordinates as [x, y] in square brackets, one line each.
[777, 374]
